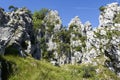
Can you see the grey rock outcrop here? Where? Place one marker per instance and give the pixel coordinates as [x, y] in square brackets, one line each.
[111, 47]
[17, 32]
[76, 28]
[52, 18]
[51, 24]
[108, 14]
[78, 44]
[87, 44]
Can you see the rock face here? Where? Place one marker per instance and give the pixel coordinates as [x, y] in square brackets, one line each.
[110, 44]
[51, 25]
[87, 44]
[52, 22]
[16, 32]
[108, 14]
[79, 44]
[16, 37]
[77, 29]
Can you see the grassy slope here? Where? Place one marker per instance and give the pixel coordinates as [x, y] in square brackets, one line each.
[30, 69]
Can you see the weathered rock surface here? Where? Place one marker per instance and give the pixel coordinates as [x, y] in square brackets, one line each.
[76, 45]
[16, 31]
[108, 14]
[87, 44]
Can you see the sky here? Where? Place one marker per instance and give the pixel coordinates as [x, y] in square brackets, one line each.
[87, 10]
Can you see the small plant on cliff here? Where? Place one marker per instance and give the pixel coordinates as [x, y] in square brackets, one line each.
[102, 8]
[12, 8]
[38, 17]
[117, 18]
[72, 26]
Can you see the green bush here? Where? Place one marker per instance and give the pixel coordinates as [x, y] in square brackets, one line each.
[83, 44]
[102, 8]
[116, 32]
[77, 34]
[72, 26]
[117, 18]
[109, 35]
[50, 27]
[12, 8]
[38, 17]
[83, 38]
[78, 48]
[88, 71]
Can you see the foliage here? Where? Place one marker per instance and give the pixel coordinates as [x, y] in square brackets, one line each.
[64, 35]
[102, 8]
[116, 32]
[77, 34]
[31, 69]
[97, 34]
[109, 35]
[57, 22]
[12, 8]
[38, 17]
[117, 18]
[79, 48]
[62, 38]
[63, 49]
[72, 26]
[50, 27]
[88, 71]
[40, 14]
[43, 47]
[83, 38]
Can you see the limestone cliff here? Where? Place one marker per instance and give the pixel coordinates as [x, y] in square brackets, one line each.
[77, 44]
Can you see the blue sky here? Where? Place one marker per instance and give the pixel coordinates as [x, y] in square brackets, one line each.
[87, 10]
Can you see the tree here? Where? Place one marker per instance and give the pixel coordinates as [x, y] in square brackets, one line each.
[40, 14]
[12, 8]
[38, 17]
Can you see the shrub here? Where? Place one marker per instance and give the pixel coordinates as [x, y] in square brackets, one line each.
[40, 14]
[71, 26]
[78, 48]
[12, 8]
[88, 71]
[83, 38]
[38, 17]
[102, 8]
[109, 35]
[116, 32]
[117, 18]
[57, 21]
